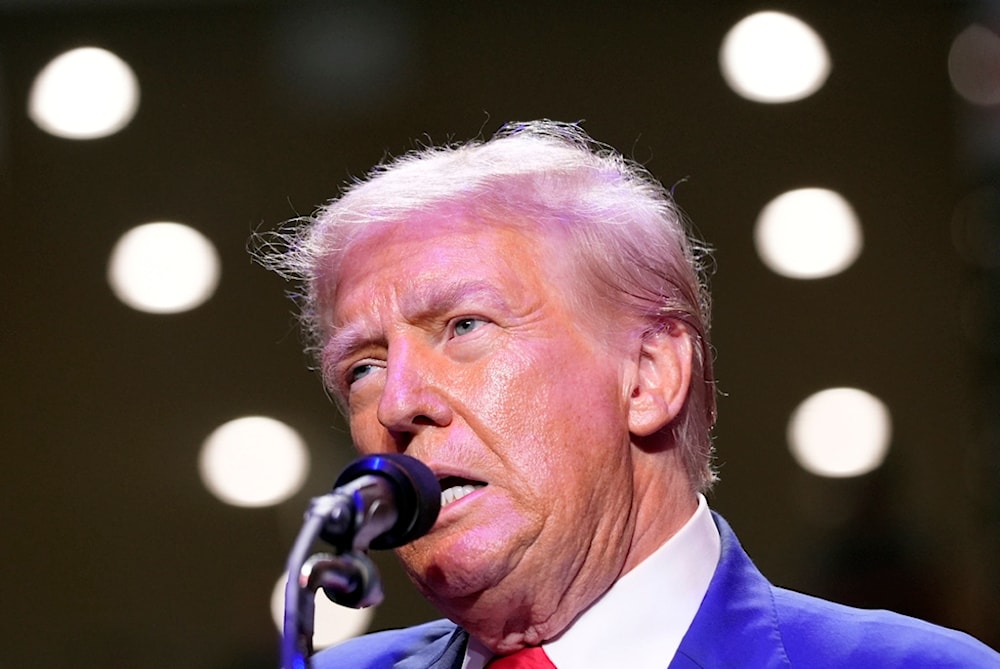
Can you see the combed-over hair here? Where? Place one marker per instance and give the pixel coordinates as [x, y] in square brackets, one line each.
[632, 239]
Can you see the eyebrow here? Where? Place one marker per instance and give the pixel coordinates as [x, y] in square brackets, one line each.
[432, 300]
[344, 343]
[425, 302]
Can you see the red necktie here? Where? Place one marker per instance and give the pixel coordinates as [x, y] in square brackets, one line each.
[526, 658]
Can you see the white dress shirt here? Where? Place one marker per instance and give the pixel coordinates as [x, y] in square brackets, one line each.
[640, 621]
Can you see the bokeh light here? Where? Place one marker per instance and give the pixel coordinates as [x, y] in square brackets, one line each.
[254, 461]
[840, 432]
[774, 57]
[332, 623]
[974, 65]
[808, 233]
[163, 268]
[85, 93]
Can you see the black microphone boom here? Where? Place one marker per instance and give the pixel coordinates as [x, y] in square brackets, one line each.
[379, 501]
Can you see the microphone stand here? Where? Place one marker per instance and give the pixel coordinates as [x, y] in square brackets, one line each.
[379, 501]
[349, 578]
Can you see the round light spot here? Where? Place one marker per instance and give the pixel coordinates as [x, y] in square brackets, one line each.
[840, 432]
[254, 461]
[808, 233]
[84, 94]
[332, 623]
[773, 57]
[163, 268]
[974, 65]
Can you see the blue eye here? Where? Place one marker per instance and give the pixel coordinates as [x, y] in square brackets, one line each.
[464, 326]
[358, 371]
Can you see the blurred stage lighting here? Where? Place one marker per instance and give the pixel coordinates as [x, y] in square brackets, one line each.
[85, 93]
[333, 623]
[773, 57]
[254, 461]
[840, 432]
[808, 233]
[163, 268]
[974, 65]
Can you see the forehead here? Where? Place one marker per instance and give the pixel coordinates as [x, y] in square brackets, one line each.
[441, 257]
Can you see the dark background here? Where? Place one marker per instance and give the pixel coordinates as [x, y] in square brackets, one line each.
[112, 553]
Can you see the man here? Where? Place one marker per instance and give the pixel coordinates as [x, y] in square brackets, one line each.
[526, 317]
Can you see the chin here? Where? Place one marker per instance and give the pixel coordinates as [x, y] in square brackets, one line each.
[444, 576]
[458, 563]
[505, 630]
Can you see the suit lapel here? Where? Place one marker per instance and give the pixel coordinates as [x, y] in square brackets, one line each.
[736, 625]
[446, 652]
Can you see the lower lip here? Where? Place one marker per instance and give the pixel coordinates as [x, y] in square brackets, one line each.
[450, 508]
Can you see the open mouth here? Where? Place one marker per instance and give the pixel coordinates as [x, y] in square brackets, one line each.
[454, 488]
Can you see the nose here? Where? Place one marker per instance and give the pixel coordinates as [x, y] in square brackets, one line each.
[412, 400]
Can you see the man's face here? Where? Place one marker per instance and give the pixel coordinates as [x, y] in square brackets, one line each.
[458, 343]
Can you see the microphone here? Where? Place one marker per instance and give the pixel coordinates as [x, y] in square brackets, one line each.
[379, 501]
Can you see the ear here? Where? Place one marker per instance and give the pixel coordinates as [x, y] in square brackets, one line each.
[662, 379]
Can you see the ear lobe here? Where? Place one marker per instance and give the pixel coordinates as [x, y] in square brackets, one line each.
[662, 379]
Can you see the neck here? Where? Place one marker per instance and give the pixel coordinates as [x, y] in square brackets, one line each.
[661, 503]
[664, 501]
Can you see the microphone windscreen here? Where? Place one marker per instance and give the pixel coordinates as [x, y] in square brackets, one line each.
[416, 493]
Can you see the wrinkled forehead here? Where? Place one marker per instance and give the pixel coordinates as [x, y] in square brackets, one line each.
[439, 238]
[340, 239]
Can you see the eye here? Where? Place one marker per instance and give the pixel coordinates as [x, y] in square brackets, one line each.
[466, 324]
[359, 371]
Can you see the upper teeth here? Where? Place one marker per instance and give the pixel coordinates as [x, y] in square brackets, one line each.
[456, 493]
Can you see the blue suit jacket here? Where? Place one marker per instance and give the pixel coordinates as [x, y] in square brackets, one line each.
[744, 621]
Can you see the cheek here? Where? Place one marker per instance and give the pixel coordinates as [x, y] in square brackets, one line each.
[572, 392]
[556, 406]
[509, 401]
[367, 434]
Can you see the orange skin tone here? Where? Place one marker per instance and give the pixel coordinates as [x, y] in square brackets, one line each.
[462, 344]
